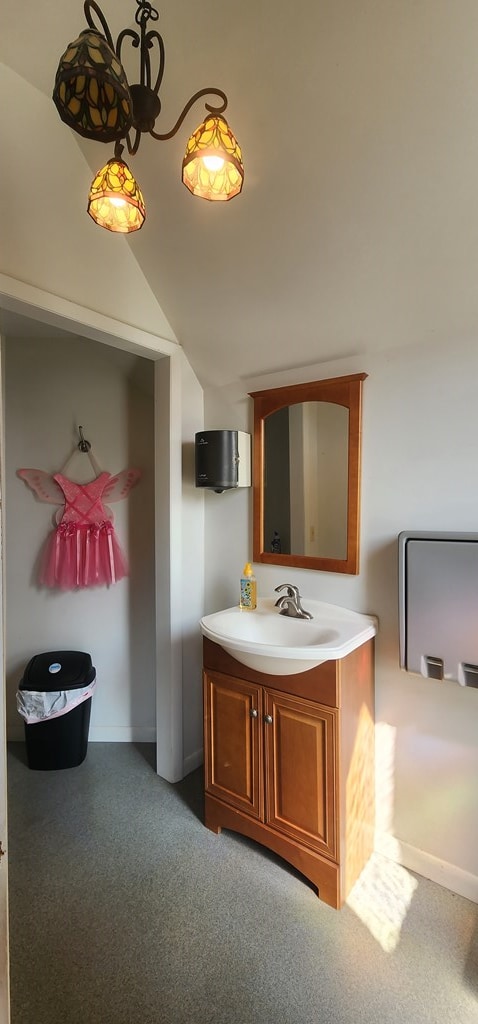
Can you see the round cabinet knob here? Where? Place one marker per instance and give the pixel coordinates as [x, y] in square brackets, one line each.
[253, 713]
[268, 719]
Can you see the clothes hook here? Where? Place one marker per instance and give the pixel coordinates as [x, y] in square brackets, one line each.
[83, 444]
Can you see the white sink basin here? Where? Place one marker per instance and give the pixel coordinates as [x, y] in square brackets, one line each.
[277, 644]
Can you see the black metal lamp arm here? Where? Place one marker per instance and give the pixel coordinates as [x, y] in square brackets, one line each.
[132, 147]
[145, 44]
[146, 102]
[217, 109]
[91, 5]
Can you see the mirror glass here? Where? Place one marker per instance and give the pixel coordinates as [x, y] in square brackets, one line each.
[307, 474]
[305, 480]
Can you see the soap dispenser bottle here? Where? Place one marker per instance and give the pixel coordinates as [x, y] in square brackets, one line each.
[248, 588]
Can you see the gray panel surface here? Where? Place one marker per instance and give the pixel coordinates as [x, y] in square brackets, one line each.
[439, 605]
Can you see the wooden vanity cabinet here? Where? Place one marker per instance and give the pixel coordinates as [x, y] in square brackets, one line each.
[289, 762]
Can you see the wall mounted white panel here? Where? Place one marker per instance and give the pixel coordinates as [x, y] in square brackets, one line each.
[438, 576]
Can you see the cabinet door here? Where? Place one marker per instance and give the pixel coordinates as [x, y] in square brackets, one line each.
[233, 744]
[300, 762]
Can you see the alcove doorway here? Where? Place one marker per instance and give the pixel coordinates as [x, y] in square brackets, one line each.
[52, 382]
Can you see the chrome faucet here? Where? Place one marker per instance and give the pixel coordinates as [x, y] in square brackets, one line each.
[290, 602]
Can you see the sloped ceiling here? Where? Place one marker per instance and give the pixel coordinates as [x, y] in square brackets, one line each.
[357, 228]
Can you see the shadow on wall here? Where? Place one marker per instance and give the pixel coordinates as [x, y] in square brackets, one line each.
[382, 599]
[17, 666]
[141, 550]
[188, 463]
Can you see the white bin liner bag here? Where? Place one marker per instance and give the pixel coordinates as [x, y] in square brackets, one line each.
[38, 705]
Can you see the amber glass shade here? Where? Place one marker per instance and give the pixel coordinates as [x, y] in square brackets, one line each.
[91, 92]
[212, 165]
[115, 201]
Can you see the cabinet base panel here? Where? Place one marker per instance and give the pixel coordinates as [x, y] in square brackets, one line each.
[324, 874]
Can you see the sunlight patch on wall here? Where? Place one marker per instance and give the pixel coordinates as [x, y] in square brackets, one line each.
[359, 799]
[384, 891]
[385, 740]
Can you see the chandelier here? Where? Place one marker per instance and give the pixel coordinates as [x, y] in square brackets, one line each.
[93, 96]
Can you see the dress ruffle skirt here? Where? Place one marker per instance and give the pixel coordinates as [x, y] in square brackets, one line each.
[82, 555]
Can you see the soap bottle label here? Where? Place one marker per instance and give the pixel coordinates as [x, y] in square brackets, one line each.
[248, 592]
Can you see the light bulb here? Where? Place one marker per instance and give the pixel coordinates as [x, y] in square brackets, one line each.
[117, 201]
[213, 163]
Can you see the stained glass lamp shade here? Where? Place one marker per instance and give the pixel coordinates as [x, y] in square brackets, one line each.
[212, 165]
[91, 91]
[115, 201]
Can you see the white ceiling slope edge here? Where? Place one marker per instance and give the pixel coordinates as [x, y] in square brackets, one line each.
[357, 226]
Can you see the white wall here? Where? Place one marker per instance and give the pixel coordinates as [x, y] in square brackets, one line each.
[420, 425]
[180, 572]
[50, 387]
[47, 238]
[192, 502]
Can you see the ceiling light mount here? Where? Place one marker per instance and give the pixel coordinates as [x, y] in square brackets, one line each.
[93, 96]
[146, 107]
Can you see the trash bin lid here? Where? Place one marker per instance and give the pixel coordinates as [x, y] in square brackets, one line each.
[58, 670]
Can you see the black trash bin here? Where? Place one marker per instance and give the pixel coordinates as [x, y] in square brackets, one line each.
[60, 741]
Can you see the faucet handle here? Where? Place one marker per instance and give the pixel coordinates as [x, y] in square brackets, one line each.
[289, 587]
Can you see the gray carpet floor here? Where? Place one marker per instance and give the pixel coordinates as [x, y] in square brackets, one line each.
[124, 909]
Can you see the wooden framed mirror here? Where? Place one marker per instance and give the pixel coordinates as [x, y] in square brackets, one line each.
[307, 460]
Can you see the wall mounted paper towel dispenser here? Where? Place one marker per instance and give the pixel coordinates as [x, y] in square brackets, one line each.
[223, 459]
[438, 605]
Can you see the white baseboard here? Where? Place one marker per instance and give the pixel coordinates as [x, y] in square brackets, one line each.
[193, 761]
[440, 871]
[122, 734]
[101, 734]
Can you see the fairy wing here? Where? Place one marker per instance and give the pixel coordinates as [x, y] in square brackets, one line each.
[43, 484]
[119, 486]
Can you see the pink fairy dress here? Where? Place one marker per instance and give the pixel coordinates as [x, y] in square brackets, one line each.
[83, 550]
